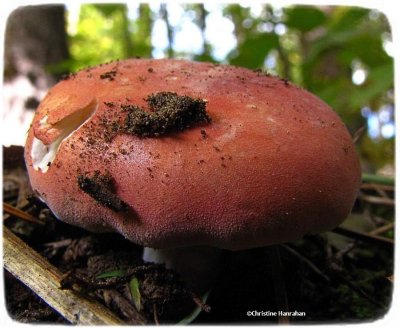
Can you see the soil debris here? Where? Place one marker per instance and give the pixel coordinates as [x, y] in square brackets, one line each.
[101, 188]
[168, 112]
[108, 276]
[67, 76]
[285, 82]
[81, 249]
[261, 72]
[110, 75]
[109, 104]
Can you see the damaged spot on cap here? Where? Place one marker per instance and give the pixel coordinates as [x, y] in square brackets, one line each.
[102, 189]
[41, 153]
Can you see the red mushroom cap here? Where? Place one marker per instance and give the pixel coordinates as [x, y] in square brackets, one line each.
[268, 163]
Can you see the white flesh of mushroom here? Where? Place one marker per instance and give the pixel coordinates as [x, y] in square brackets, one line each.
[43, 155]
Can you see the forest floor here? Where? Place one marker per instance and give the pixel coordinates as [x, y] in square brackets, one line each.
[325, 278]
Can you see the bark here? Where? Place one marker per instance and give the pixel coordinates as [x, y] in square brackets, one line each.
[35, 37]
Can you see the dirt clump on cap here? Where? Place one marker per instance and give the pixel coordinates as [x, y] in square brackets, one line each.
[101, 188]
[169, 112]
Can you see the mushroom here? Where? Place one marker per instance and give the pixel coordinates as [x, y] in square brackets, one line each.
[187, 158]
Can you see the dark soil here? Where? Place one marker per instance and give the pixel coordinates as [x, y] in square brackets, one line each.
[168, 112]
[342, 285]
[101, 188]
[24, 306]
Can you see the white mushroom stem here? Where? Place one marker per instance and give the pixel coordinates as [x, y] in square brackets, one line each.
[197, 265]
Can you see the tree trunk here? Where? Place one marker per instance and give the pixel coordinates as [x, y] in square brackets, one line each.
[35, 38]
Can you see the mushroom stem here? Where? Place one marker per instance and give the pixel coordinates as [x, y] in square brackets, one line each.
[197, 265]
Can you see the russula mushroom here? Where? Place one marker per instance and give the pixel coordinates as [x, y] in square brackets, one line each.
[187, 157]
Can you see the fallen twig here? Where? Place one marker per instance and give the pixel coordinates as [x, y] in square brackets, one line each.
[382, 229]
[338, 258]
[359, 132]
[199, 302]
[43, 279]
[337, 273]
[125, 307]
[59, 243]
[9, 209]
[377, 240]
[155, 315]
[373, 186]
[311, 265]
[377, 200]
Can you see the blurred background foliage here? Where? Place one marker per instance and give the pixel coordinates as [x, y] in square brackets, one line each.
[342, 54]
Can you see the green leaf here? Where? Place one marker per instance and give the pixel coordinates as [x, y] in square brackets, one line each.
[110, 274]
[380, 79]
[107, 9]
[304, 18]
[253, 50]
[135, 292]
[368, 47]
[353, 36]
[346, 18]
